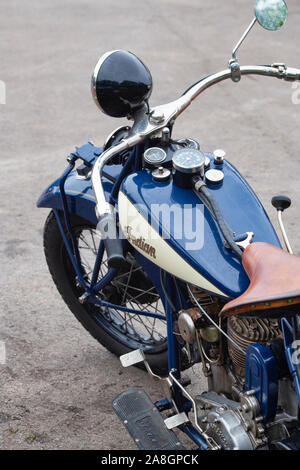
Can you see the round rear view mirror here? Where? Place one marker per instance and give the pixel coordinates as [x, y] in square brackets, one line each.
[271, 14]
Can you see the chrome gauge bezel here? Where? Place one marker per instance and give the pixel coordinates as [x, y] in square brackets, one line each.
[153, 162]
[197, 160]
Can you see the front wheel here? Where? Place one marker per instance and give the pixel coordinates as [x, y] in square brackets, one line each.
[118, 331]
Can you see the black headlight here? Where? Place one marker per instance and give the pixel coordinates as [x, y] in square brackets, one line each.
[121, 83]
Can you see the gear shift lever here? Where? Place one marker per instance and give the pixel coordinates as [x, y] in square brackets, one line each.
[281, 203]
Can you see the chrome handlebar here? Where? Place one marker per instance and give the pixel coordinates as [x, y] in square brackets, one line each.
[146, 125]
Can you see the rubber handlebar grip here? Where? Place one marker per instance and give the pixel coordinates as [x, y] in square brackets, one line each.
[113, 245]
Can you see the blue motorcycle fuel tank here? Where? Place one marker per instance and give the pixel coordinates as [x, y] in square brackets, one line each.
[154, 217]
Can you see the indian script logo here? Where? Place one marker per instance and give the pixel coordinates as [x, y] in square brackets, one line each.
[139, 242]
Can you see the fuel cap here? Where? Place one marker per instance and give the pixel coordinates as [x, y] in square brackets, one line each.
[214, 177]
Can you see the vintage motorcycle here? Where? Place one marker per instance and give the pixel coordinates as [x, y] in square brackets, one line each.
[167, 257]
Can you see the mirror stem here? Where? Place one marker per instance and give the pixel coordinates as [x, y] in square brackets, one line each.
[243, 38]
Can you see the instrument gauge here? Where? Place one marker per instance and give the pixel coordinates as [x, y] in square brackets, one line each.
[155, 156]
[188, 160]
[187, 163]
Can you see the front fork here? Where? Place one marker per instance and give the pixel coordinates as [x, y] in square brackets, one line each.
[94, 286]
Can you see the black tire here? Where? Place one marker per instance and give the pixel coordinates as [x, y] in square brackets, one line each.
[63, 275]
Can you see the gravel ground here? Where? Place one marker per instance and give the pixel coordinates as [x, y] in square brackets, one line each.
[58, 383]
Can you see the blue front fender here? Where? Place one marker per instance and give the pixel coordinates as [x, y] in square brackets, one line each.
[79, 193]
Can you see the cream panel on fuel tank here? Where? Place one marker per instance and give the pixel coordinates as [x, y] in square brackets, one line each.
[150, 244]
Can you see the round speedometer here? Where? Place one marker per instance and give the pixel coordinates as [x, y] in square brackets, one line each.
[188, 160]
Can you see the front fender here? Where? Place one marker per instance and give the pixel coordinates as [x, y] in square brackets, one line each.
[79, 192]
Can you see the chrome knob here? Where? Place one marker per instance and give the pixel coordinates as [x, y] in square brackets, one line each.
[219, 156]
[161, 174]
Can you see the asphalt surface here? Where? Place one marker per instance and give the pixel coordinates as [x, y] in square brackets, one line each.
[57, 384]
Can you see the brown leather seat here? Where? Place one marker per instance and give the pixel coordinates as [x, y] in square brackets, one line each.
[274, 289]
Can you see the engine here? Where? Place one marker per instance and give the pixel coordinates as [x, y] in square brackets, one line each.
[242, 331]
[247, 331]
[229, 413]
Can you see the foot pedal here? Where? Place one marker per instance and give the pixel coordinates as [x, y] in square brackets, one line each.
[176, 420]
[132, 358]
[144, 422]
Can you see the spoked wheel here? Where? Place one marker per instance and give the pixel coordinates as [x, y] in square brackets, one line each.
[118, 331]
